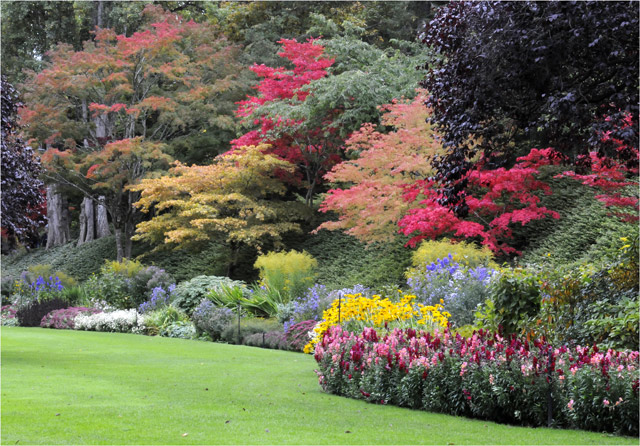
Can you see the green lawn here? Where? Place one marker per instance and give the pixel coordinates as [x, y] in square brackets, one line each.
[67, 387]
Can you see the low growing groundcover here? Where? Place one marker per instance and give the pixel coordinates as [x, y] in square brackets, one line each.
[70, 387]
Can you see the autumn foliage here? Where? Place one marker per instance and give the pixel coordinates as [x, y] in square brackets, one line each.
[106, 113]
[280, 85]
[237, 200]
[501, 197]
[611, 175]
[370, 201]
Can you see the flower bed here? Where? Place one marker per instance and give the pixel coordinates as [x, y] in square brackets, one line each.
[65, 318]
[355, 311]
[124, 321]
[484, 376]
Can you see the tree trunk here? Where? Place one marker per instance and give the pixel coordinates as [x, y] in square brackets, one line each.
[99, 14]
[129, 229]
[119, 244]
[102, 223]
[83, 225]
[102, 126]
[87, 222]
[58, 217]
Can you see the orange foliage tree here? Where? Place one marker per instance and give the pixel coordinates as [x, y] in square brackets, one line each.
[370, 202]
[103, 111]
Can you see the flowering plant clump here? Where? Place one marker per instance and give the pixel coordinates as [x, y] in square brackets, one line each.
[8, 315]
[124, 321]
[65, 318]
[354, 312]
[312, 305]
[461, 287]
[297, 335]
[485, 376]
[159, 298]
[211, 319]
[42, 289]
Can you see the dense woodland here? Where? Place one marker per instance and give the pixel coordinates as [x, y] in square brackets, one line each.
[120, 98]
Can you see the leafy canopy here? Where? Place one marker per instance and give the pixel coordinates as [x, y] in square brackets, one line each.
[307, 113]
[21, 186]
[370, 200]
[237, 199]
[516, 75]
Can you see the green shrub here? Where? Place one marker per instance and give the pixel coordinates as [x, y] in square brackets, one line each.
[111, 290]
[515, 294]
[344, 262]
[127, 268]
[157, 322]
[77, 261]
[586, 231]
[45, 271]
[189, 294]
[179, 329]
[274, 339]
[75, 295]
[261, 301]
[290, 273]
[249, 326]
[576, 304]
[211, 260]
[126, 284]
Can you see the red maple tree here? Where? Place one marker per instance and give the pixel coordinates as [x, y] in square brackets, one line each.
[499, 198]
[310, 151]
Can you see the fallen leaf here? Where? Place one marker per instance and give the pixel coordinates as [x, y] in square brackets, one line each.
[185, 434]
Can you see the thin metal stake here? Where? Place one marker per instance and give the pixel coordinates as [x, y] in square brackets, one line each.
[549, 396]
[238, 337]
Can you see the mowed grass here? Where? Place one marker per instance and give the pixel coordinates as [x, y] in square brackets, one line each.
[68, 387]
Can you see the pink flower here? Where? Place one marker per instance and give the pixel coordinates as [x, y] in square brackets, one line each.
[570, 404]
[491, 379]
[605, 402]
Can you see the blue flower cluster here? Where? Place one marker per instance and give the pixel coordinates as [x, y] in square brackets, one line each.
[444, 264]
[461, 288]
[41, 288]
[159, 298]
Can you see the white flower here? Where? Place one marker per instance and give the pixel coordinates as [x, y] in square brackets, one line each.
[119, 320]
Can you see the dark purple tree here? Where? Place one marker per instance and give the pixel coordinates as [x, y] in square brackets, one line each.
[22, 197]
[510, 76]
